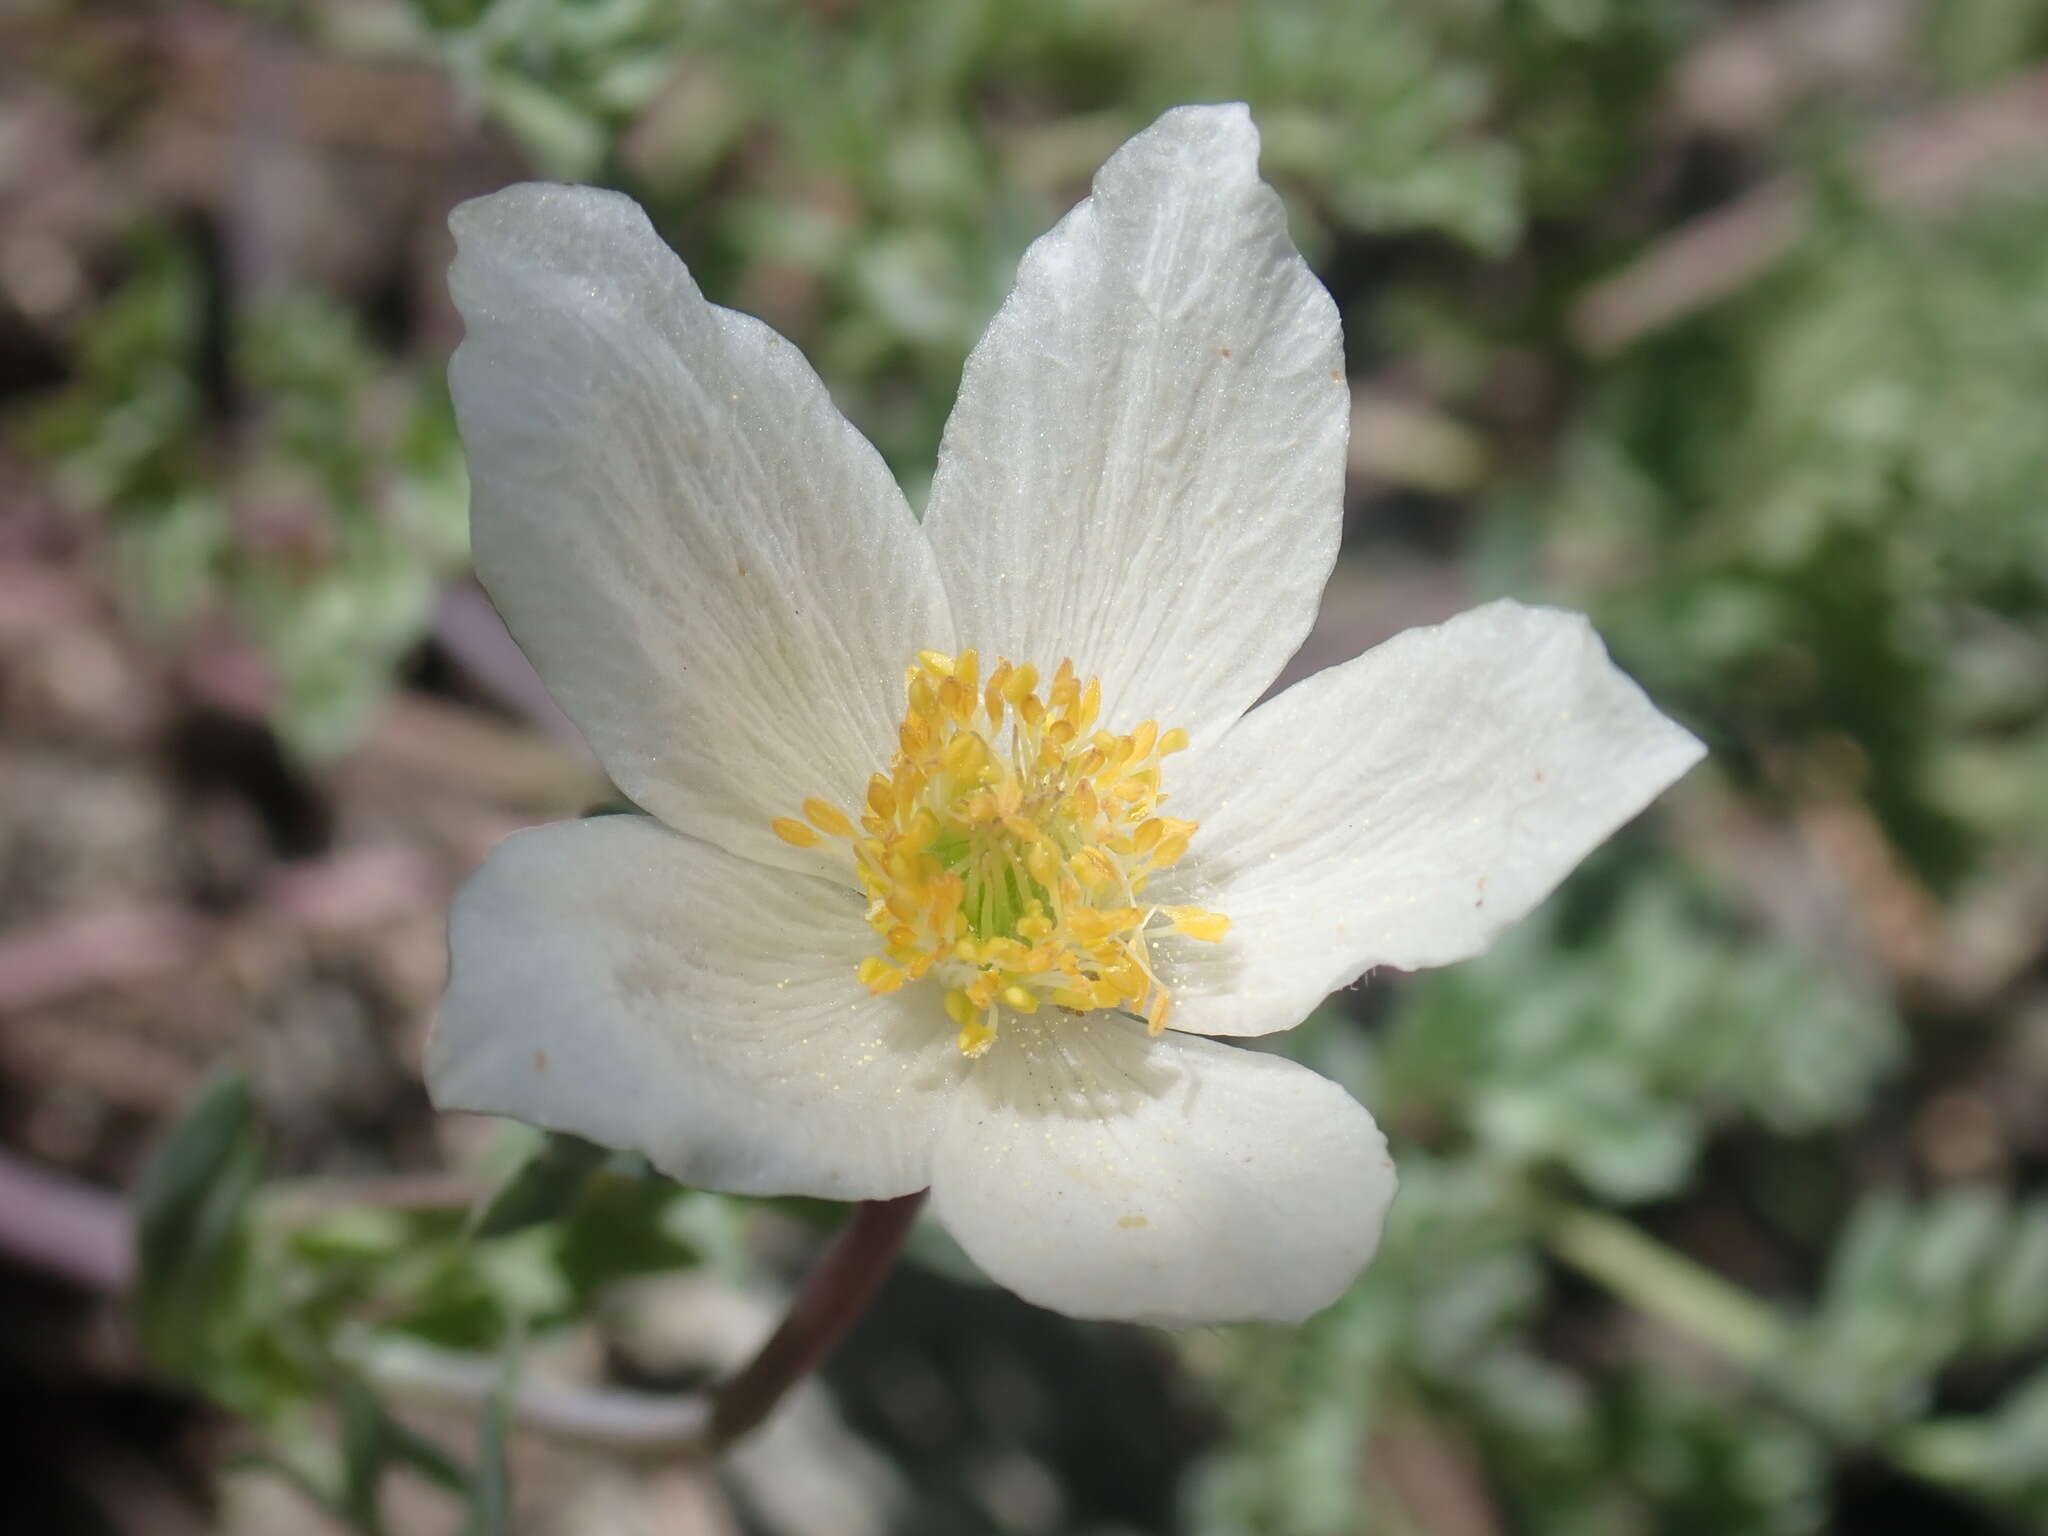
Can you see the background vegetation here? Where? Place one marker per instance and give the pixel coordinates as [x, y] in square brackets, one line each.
[1725, 1178]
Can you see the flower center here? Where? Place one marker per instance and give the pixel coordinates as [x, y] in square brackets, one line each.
[1006, 851]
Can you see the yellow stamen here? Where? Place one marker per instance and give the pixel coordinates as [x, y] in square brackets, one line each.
[1209, 927]
[1155, 1016]
[1005, 851]
[827, 818]
[877, 975]
[794, 832]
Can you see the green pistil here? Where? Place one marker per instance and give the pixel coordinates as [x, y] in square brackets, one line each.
[1000, 890]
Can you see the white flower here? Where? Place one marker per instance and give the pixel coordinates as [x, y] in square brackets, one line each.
[906, 912]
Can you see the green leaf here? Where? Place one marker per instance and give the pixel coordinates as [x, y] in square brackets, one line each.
[192, 1232]
[491, 1490]
[619, 1227]
[363, 1457]
[545, 1187]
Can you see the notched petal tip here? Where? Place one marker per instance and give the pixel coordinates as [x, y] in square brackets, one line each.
[1218, 144]
[556, 230]
[1226, 122]
[538, 202]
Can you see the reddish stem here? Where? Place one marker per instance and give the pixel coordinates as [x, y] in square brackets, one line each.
[836, 1294]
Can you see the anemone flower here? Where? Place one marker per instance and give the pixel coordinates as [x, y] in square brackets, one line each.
[962, 839]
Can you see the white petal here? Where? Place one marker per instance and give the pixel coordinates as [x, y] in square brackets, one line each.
[617, 980]
[1403, 808]
[1145, 469]
[1173, 1181]
[713, 571]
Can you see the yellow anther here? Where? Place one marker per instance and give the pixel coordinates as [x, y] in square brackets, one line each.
[794, 832]
[877, 975]
[964, 755]
[1094, 866]
[1209, 927]
[1020, 685]
[1155, 1016]
[1004, 954]
[827, 818]
[1009, 840]
[1091, 925]
[1175, 740]
[881, 796]
[1065, 692]
[1169, 850]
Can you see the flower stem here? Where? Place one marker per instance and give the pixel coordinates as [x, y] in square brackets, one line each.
[836, 1293]
[1667, 1285]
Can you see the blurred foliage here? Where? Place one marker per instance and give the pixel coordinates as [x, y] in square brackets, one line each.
[301, 1309]
[1810, 517]
[283, 477]
[864, 177]
[1614, 1056]
[1834, 487]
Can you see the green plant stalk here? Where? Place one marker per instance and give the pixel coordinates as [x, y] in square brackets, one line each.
[1750, 1333]
[1667, 1285]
